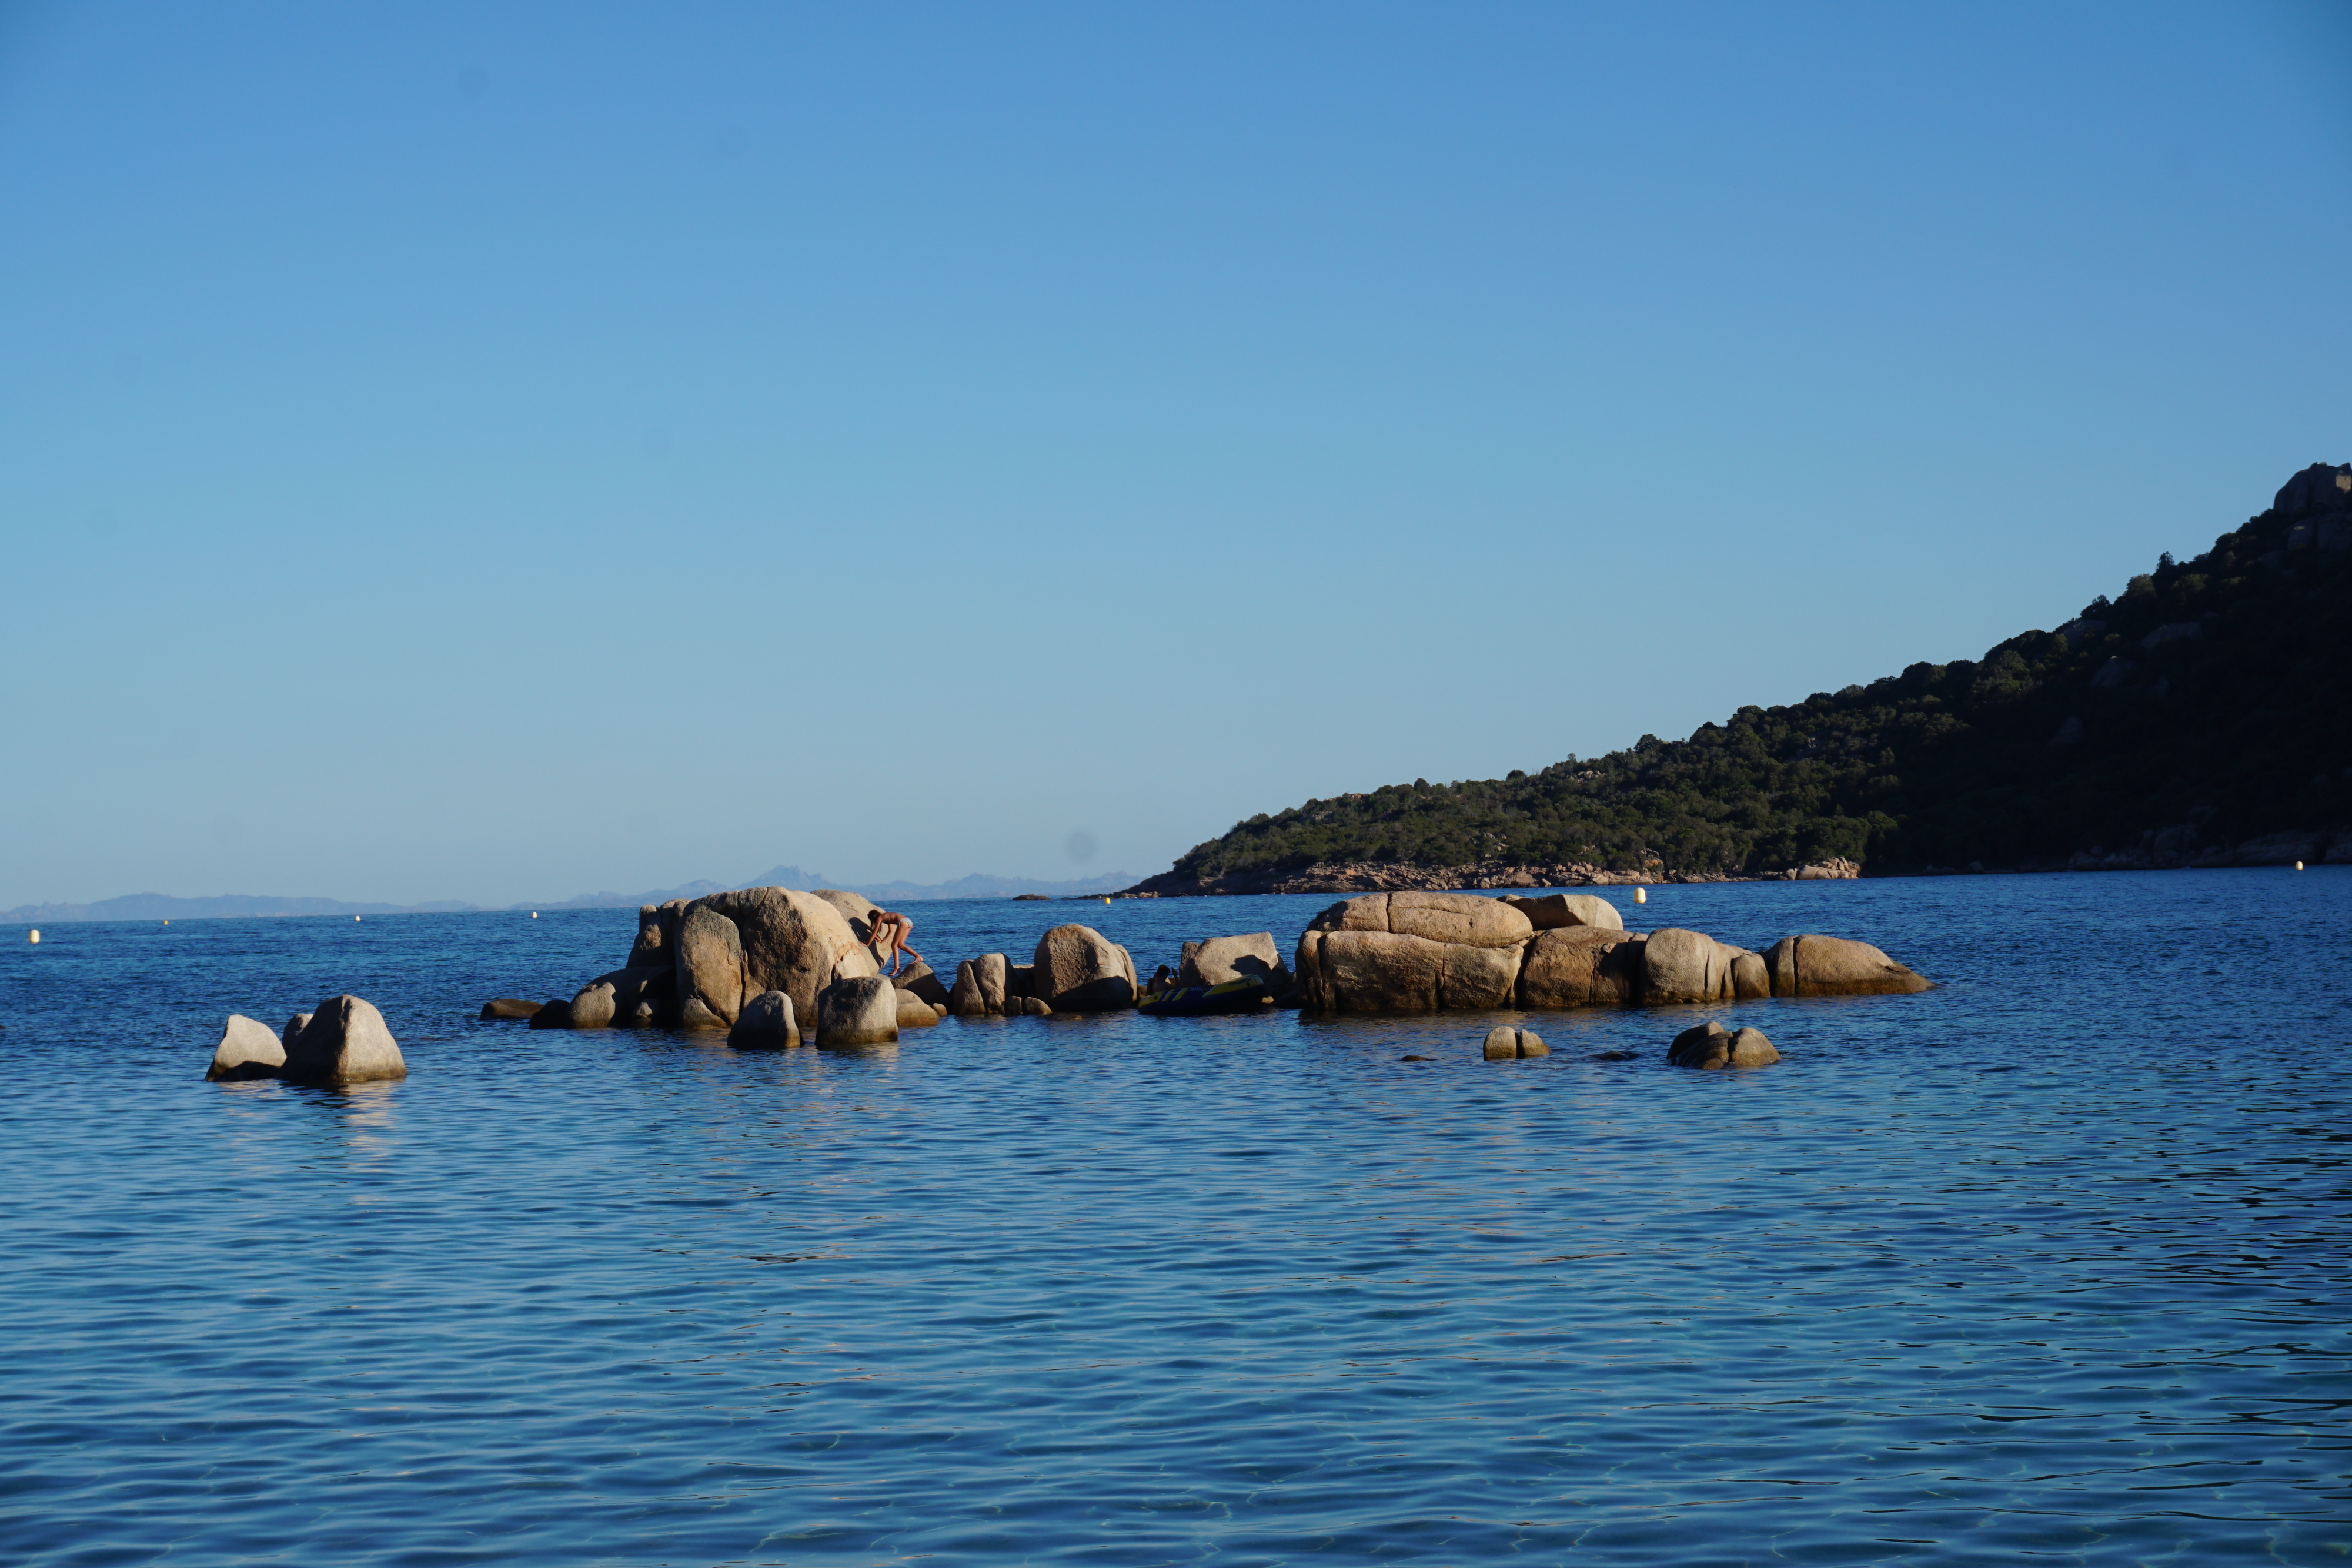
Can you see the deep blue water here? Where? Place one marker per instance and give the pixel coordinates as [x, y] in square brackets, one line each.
[2047, 1264]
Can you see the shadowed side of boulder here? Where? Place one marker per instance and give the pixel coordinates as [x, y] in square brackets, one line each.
[918, 979]
[1566, 911]
[767, 1022]
[1581, 966]
[656, 940]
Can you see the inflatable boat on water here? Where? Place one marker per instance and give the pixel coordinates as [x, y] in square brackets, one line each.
[1244, 996]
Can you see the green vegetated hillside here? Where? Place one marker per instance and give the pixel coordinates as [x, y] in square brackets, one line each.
[2204, 707]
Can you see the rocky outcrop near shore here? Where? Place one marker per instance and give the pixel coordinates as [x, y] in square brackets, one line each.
[1411, 952]
[704, 963]
[1399, 876]
[1421, 952]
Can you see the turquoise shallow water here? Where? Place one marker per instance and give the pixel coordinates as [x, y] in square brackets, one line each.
[2047, 1264]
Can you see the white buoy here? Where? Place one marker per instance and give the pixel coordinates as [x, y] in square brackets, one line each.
[355, 920]
[535, 915]
[35, 936]
[2298, 865]
[1641, 895]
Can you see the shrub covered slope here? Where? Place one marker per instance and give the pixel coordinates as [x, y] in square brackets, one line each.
[2205, 705]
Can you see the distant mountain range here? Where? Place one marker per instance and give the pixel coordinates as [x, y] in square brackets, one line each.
[162, 906]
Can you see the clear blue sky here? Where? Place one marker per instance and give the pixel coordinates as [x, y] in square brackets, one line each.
[498, 451]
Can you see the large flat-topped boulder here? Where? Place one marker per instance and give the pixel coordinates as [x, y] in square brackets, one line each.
[1355, 971]
[1077, 970]
[1411, 952]
[346, 1041]
[1461, 918]
[1560, 911]
[1836, 966]
[1581, 966]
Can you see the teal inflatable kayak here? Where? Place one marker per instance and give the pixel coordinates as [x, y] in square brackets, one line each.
[1245, 995]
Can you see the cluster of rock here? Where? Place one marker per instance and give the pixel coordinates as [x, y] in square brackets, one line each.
[1421, 952]
[764, 963]
[346, 1040]
[1511, 1044]
[756, 962]
[1074, 969]
[1712, 1047]
[1708, 1047]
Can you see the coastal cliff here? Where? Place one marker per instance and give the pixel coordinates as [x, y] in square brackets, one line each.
[2202, 718]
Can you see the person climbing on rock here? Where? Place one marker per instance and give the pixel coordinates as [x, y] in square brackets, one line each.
[889, 939]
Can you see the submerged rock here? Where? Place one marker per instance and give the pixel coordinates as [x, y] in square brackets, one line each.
[1511, 1044]
[1712, 1047]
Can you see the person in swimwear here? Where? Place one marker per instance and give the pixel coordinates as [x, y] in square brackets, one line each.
[889, 939]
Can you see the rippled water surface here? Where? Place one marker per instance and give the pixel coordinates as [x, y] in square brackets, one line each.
[2046, 1264]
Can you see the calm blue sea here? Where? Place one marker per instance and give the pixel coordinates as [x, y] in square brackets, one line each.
[2048, 1264]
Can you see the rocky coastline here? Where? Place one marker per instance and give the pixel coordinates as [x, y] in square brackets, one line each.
[1400, 876]
[2174, 849]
